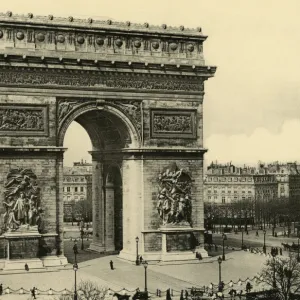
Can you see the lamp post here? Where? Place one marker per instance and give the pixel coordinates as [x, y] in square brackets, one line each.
[273, 253]
[75, 268]
[145, 267]
[224, 238]
[220, 262]
[137, 261]
[264, 247]
[242, 239]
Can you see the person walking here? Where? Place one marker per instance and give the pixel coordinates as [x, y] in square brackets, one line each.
[1, 289]
[26, 267]
[111, 265]
[33, 293]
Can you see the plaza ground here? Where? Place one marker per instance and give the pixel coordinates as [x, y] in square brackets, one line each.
[179, 276]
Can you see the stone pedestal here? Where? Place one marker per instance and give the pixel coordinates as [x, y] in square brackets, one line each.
[23, 248]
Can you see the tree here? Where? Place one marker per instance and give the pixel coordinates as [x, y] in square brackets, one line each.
[287, 275]
[87, 290]
[83, 209]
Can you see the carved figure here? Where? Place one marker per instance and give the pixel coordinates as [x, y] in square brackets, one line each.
[174, 205]
[172, 123]
[21, 200]
[64, 108]
[20, 119]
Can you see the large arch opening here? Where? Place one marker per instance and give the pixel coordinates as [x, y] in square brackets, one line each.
[108, 134]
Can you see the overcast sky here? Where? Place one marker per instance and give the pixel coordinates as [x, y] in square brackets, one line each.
[251, 107]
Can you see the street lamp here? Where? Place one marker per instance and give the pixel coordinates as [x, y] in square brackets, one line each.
[220, 262]
[75, 268]
[224, 238]
[273, 253]
[137, 261]
[145, 266]
[242, 238]
[264, 247]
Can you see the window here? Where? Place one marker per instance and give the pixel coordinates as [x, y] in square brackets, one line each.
[76, 189]
[235, 198]
[223, 199]
[229, 192]
[209, 197]
[215, 191]
[68, 189]
[215, 197]
[235, 192]
[243, 198]
[81, 189]
[243, 192]
[249, 192]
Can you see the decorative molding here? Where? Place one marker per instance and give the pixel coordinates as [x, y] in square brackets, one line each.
[133, 110]
[94, 24]
[167, 123]
[73, 78]
[66, 107]
[23, 120]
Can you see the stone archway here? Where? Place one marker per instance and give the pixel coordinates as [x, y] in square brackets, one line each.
[138, 91]
[111, 132]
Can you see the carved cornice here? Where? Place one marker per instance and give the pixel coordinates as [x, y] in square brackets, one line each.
[90, 23]
[50, 78]
[61, 35]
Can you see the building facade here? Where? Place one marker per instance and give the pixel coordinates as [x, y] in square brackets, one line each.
[77, 182]
[227, 184]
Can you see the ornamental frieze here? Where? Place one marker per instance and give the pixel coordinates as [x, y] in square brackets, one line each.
[173, 123]
[70, 78]
[23, 120]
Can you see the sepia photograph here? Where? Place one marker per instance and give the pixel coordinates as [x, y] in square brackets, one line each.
[149, 150]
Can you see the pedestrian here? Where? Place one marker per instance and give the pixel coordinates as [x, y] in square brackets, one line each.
[280, 251]
[33, 293]
[1, 289]
[26, 267]
[111, 265]
[141, 259]
[186, 294]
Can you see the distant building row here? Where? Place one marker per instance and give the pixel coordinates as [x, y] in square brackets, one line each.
[227, 183]
[77, 182]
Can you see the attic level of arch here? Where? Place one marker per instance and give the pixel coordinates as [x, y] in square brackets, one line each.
[50, 43]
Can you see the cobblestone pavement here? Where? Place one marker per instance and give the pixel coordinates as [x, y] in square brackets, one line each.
[238, 264]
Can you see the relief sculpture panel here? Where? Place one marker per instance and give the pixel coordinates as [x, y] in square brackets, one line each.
[21, 201]
[23, 120]
[174, 203]
[173, 123]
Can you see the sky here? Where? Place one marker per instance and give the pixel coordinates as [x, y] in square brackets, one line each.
[251, 106]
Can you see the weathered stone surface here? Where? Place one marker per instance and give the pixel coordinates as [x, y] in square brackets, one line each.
[139, 97]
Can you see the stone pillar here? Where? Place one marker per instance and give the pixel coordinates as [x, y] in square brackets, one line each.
[98, 243]
[59, 205]
[110, 217]
[132, 206]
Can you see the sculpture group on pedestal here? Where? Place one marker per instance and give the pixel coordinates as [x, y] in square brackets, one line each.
[21, 201]
[174, 197]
